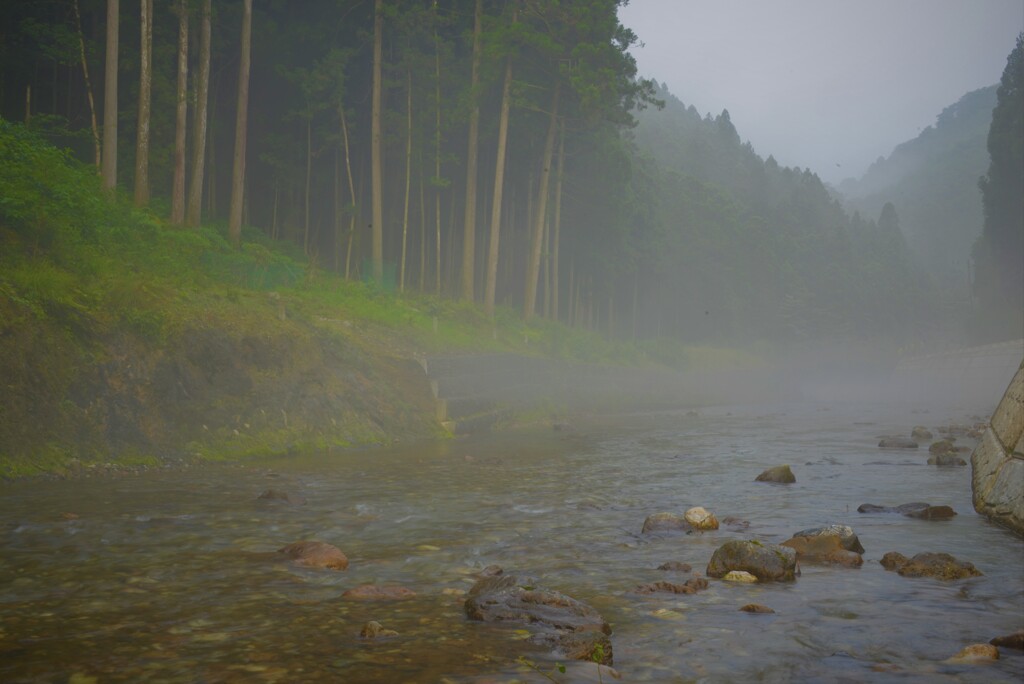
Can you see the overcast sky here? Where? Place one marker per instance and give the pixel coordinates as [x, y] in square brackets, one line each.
[826, 84]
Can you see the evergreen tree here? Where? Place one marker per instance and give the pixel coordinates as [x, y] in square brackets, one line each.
[999, 254]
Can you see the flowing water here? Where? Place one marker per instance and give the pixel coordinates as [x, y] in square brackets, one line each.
[172, 576]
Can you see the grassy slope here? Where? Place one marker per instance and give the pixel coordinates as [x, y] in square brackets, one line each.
[126, 340]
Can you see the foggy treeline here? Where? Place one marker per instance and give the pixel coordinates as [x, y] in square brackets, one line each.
[501, 152]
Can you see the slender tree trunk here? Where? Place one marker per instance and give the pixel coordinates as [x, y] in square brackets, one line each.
[537, 239]
[336, 186]
[376, 162]
[557, 223]
[437, 157]
[351, 188]
[241, 124]
[88, 86]
[408, 178]
[28, 104]
[309, 180]
[145, 88]
[499, 189]
[423, 229]
[469, 221]
[546, 263]
[181, 119]
[109, 169]
[194, 211]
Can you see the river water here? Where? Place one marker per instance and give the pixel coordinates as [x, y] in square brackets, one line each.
[171, 576]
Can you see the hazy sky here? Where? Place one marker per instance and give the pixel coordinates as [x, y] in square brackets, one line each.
[821, 83]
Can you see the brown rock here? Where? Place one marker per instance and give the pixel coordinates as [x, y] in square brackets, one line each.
[691, 586]
[701, 519]
[976, 653]
[315, 554]
[1015, 640]
[375, 592]
[939, 565]
[664, 521]
[781, 474]
[278, 496]
[756, 608]
[374, 630]
[675, 566]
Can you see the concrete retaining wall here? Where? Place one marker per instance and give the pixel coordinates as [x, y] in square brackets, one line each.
[997, 481]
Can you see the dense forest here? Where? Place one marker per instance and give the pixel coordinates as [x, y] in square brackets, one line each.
[505, 153]
[933, 182]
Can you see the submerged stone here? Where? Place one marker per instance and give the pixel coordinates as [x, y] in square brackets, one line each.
[939, 565]
[897, 443]
[316, 554]
[571, 627]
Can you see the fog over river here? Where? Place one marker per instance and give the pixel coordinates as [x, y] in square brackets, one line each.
[172, 576]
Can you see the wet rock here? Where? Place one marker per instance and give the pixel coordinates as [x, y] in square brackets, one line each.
[700, 519]
[943, 446]
[781, 474]
[278, 496]
[917, 509]
[976, 653]
[315, 554]
[659, 522]
[920, 433]
[735, 523]
[950, 459]
[1015, 640]
[492, 571]
[739, 576]
[376, 592]
[558, 621]
[823, 550]
[897, 443]
[691, 586]
[675, 566]
[845, 535]
[375, 630]
[939, 565]
[756, 608]
[766, 562]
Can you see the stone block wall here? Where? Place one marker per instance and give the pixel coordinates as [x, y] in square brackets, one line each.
[997, 479]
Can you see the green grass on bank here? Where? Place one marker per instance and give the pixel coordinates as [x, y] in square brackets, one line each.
[72, 255]
[87, 280]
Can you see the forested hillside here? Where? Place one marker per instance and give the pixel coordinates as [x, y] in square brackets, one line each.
[480, 150]
[932, 181]
[744, 247]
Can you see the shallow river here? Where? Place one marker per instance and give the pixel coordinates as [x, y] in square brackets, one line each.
[171, 576]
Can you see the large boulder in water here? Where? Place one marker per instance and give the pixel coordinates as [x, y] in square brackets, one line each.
[939, 565]
[781, 474]
[558, 621]
[836, 544]
[766, 562]
[843, 534]
[659, 522]
[315, 554]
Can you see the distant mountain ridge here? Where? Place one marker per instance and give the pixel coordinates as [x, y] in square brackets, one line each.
[932, 181]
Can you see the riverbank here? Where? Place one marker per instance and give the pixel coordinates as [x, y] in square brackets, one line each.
[126, 342]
